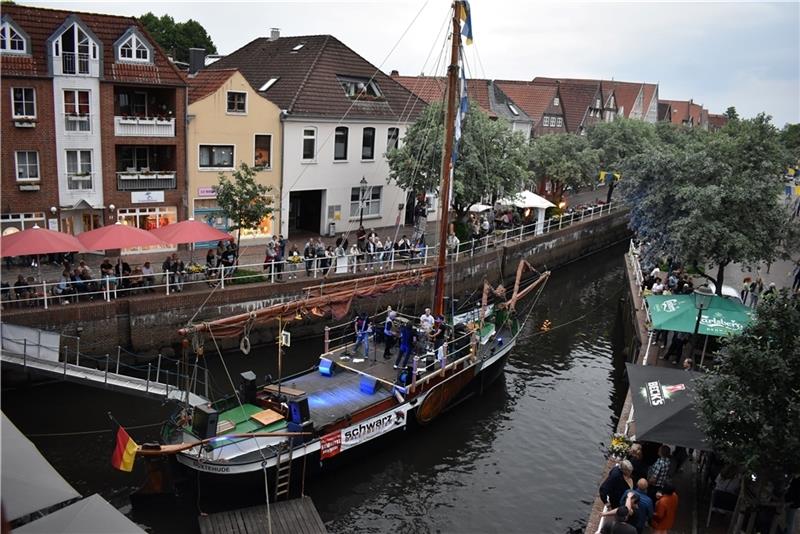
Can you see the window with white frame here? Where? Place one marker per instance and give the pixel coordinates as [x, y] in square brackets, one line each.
[547, 121]
[368, 144]
[555, 101]
[76, 110]
[559, 122]
[392, 139]
[134, 49]
[27, 165]
[11, 40]
[371, 201]
[23, 102]
[75, 50]
[340, 143]
[216, 157]
[237, 102]
[360, 88]
[134, 159]
[262, 151]
[309, 144]
[79, 169]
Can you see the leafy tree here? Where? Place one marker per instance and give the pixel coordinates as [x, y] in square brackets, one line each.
[790, 137]
[176, 38]
[243, 201]
[617, 141]
[491, 159]
[750, 404]
[713, 198]
[565, 160]
[731, 114]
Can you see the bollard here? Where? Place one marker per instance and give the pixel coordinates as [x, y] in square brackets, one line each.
[158, 368]
[118, 351]
[327, 339]
[106, 377]
[147, 386]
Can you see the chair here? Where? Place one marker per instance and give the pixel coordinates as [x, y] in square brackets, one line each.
[721, 502]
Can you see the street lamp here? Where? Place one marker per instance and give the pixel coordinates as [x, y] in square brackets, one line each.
[361, 204]
[702, 301]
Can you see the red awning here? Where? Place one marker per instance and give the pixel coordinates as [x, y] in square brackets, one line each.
[38, 241]
[118, 236]
[190, 231]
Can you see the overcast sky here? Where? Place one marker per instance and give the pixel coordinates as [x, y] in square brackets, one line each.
[719, 54]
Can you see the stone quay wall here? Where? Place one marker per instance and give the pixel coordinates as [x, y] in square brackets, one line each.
[148, 324]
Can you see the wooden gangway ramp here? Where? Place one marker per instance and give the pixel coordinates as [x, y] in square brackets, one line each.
[296, 516]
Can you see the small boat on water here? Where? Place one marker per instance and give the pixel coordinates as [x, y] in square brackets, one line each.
[349, 399]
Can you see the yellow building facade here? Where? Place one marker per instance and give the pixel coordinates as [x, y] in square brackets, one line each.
[230, 123]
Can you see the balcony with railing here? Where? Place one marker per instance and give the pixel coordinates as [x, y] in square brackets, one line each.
[75, 63]
[144, 112]
[146, 181]
[130, 126]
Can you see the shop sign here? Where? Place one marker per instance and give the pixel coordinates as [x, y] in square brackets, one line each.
[144, 197]
[206, 192]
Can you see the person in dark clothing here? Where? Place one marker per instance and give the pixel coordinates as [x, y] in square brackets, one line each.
[618, 482]
[635, 457]
[407, 342]
[676, 347]
[619, 525]
[122, 270]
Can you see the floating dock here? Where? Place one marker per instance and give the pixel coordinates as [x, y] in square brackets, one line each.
[296, 516]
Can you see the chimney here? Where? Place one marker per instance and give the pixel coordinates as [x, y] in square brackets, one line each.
[395, 73]
[274, 34]
[197, 59]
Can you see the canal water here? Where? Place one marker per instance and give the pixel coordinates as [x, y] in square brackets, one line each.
[525, 456]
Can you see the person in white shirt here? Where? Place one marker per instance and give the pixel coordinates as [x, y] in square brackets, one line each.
[658, 287]
[426, 321]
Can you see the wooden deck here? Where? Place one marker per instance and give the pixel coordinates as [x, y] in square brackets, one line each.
[297, 516]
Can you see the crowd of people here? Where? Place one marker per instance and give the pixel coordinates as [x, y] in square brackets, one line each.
[411, 340]
[638, 494]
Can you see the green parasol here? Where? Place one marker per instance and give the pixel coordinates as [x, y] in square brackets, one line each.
[679, 314]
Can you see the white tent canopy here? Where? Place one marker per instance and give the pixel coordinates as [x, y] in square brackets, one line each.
[29, 482]
[92, 515]
[527, 199]
[479, 208]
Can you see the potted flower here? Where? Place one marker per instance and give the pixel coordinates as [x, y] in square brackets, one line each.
[620, 445]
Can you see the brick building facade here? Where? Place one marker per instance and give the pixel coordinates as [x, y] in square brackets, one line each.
[93, 123]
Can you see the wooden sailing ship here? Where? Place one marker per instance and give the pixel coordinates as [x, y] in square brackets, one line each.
[344, 403]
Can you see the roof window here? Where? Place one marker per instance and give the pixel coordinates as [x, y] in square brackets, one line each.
[269, 84]
[298, 47]
[360, 88]
[513, 109]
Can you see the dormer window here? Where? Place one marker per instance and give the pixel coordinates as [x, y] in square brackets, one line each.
[12, 40]
[555, 101]
[513, 109]
[133, 49]
[597, 103]
[75, 52]
[360, 88]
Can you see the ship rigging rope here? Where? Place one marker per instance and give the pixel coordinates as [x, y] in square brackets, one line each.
[90, 432]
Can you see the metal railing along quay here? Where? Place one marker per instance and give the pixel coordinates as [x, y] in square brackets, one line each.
[106, 288]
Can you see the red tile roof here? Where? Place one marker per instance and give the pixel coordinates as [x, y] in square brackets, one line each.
[576, 98]
[206, 82]
[308, 68]
[432, 89]
[650, 92]
[533, 99]
[683, 110]
[626, 93]
[40, 24]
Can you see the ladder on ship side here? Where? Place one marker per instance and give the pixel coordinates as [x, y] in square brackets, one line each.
[283, 472]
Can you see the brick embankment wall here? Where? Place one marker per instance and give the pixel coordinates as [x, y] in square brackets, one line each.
[150, 322]
[638, 318]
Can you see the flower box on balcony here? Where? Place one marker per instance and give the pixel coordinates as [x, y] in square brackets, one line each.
[146, 120]
[129, 176]
[163, 120]
[127, 120]
[165, 176]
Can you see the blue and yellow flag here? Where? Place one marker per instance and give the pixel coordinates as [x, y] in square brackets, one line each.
[466, 17]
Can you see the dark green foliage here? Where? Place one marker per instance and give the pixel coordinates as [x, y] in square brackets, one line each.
[176, 38]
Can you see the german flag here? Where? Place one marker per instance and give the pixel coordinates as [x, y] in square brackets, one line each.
[124, 449]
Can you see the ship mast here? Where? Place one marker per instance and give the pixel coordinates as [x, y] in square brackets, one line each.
[447, 163]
